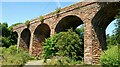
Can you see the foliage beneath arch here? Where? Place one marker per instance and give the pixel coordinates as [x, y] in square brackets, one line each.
[64, 44]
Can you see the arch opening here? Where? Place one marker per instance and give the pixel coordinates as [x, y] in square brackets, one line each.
[76, 24]
[40, 34]
[25, 39]
[68, 22]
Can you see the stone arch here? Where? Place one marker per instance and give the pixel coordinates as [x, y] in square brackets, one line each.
[25, 39]
[40, 34]
[67, 22]
[104, 17]
[100, 21]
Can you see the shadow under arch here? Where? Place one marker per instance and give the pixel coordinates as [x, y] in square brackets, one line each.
[42, 30]
[40, 34]
[68, 22]
[25, 39]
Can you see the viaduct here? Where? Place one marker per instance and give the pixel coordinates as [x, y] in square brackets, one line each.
[95, 16]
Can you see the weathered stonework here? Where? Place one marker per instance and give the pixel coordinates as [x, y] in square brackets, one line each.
[95, 17]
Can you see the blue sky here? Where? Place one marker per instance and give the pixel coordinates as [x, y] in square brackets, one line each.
[14, 12]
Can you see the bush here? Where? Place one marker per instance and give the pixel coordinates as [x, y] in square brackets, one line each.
[57, 10]
[64, 44]
[27, 23]
[110, 57]
[14, 56]
[41, 18]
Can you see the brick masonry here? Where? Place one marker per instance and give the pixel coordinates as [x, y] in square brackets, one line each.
[95, 17]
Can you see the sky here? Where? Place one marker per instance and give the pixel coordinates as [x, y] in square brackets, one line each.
[14, 12]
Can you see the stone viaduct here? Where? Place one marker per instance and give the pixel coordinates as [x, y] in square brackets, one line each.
[95, 16]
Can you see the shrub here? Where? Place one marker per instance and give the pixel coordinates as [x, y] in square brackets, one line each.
[110, 57]
[41, 18]
[14, 56]
[64, 44]
[27, 23]
[50, 46]
[57, 10]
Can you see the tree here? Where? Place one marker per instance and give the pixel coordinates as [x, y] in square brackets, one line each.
[64, 44]
[111, 40]
[4, 29]
[117, 29]
[7, 37]
[80, 31]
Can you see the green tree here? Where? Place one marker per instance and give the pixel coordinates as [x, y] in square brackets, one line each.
[111, 40]
[80, 31]
[7, 37]
[117, 29]
[64, 44]
[4, 29]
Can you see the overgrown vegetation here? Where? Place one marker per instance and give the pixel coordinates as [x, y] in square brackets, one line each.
[67, 44]
[14, 56]
[27, 23]
[41, 18]
[57, 10]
